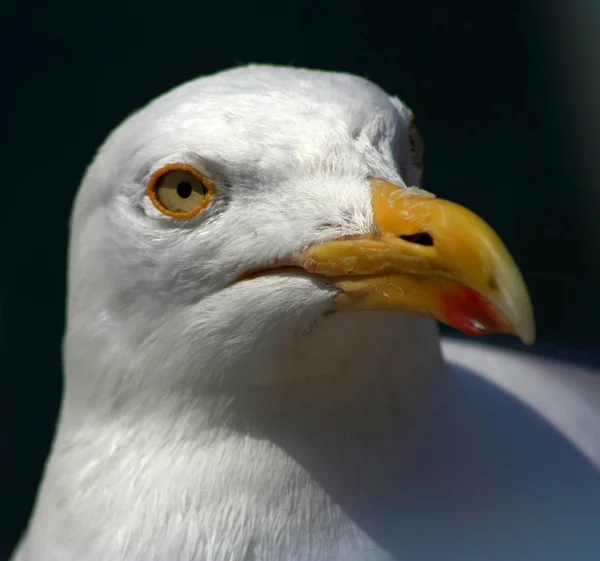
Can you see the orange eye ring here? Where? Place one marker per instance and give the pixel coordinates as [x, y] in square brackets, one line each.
[152, 190]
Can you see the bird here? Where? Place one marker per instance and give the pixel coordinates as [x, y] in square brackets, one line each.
[253, 369]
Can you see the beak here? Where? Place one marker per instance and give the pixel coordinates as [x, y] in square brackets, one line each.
[429, 257]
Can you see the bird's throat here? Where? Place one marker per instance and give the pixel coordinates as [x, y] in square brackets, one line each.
[361, 372]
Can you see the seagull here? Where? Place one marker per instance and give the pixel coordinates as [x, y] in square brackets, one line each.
[252, 364]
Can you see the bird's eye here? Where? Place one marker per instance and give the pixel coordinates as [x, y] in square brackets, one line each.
[416, 143]
[179, 190]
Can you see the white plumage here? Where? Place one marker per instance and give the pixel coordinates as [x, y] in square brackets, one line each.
[207, 419]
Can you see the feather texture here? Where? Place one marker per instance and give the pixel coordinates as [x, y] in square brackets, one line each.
[204, 420]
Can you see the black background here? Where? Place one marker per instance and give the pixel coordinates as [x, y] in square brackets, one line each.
[483, 78]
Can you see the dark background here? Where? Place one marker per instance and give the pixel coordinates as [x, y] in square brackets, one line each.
[490, 83]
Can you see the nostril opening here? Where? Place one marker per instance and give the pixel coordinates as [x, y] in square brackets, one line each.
[420, 238]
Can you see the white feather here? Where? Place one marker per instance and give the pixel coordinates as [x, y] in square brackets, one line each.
[203, 421]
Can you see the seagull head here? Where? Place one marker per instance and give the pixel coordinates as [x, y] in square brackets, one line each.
[224, 226]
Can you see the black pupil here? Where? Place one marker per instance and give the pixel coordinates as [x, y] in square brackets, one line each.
[184, 189]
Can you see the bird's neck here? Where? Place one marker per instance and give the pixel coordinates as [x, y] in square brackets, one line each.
[351, 362]
[362, 382]
[359, 374]
[349, 423]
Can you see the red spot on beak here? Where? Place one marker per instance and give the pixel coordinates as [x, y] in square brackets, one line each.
[470, 312]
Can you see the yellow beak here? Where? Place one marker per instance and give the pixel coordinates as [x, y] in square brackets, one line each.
[430, 257]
